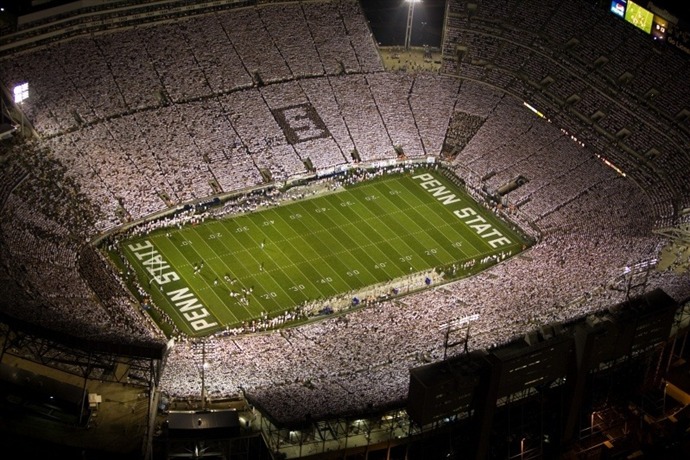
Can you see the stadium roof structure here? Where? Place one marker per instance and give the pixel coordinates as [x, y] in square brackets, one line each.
[7, 130]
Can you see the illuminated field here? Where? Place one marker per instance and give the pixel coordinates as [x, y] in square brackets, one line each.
[305, 254]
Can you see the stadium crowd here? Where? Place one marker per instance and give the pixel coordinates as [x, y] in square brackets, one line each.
[134, 122]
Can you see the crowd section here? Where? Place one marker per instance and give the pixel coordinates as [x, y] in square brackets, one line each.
[46, 266]
[106, 75]
[45, 222]
[11, 175]
[615, 89]
[139, 163]
[362, 116]
[390, 93]
[432, 101]
[556, 169]
[175, 116]
[316, 143]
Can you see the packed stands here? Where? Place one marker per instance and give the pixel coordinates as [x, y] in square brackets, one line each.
[133, 122]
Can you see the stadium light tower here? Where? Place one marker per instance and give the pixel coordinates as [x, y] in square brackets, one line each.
[21, 92]
[410, 15]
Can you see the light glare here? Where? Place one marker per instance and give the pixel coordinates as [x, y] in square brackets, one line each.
[21, 92]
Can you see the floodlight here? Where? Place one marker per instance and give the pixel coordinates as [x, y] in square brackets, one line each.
[410, 14]
[21, 92]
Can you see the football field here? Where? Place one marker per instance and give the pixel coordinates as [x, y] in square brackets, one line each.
[226, 273]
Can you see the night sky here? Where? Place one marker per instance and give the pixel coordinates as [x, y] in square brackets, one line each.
[680, 8]
[388, 20]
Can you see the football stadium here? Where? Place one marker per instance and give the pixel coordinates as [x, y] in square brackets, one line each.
[245, 229]
[318, 255]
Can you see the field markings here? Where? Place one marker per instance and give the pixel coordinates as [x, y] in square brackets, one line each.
[345, 250]
[222, 302]
[422, 205]
[366, 217]
[192, 286]
[341, 226]
[299, 261]
[309, 266]
[253, 275]
[411, 185]
[368, 233]
[429, 231]
[279, 268]
[403, 260]
[293, 261]
[160, 293]
[327, 255]
[206, 260]
[357, 223]
[400, 233]
[233, 273]
[388, 198]
[338, 228]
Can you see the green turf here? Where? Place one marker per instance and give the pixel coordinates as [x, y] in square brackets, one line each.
[334, 244]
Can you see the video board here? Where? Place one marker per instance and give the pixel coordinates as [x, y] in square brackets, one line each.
[639, 17]
[659, 28]
[618, 7]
